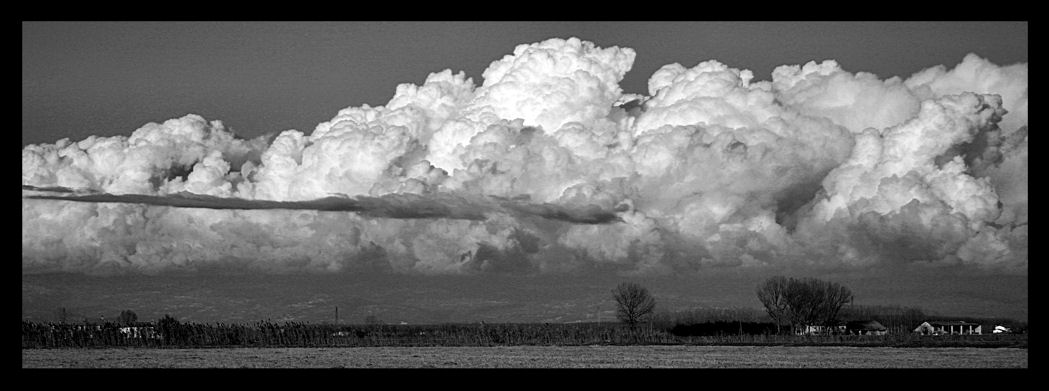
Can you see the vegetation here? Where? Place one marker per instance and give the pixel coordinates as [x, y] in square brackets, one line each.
[801, 302]
[175, 334]
[633, 303]
[722, 328]
[793, 301]
[897, 319]
[172, 333]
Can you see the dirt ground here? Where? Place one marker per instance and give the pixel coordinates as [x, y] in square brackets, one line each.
[532, 357]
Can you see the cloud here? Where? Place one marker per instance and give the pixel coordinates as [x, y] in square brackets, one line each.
[977, 75]
[546, 85]
[547, 167]
[855, 101]
[397, 206]
[895, 203]
[143, 163]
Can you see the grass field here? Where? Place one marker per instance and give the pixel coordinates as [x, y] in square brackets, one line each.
[533, 357]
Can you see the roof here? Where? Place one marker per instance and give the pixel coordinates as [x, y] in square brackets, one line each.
[952, 323]
[865, 325]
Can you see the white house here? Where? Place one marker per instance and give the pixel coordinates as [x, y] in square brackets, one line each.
[948, 327]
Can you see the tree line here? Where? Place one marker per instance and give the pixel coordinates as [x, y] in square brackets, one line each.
[792, 301]
[795, 303]
[172, 333]
[169, 332]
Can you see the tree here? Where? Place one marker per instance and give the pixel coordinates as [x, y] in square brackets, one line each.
[802, 302]
[828, 298]
[169, 329]
[773, 295]
[633, 303]
[127, 317]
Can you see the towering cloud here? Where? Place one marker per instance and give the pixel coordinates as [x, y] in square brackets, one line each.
[549, 167]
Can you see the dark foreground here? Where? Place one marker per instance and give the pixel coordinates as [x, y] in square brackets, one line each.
[532, 357]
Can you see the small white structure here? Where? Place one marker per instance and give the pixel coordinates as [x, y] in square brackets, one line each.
[949, 328]
[820, 330]
[139, 332]
[999, 329]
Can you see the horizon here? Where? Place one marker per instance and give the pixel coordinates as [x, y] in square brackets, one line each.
[429, 300]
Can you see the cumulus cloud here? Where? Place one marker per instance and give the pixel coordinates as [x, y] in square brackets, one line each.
[143, 163]
[893, 197]
[547, 166]
[546, 85]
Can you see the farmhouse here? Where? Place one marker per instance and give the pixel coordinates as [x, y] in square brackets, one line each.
[865, 327]
[948, 327]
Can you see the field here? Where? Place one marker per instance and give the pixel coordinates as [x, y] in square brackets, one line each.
[597, 356]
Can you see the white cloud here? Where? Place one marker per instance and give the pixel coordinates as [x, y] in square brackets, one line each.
[540, 169]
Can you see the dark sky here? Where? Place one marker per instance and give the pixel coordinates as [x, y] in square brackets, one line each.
[110, 78]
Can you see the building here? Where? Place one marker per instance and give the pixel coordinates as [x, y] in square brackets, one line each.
[948, 327]
[139, 332]
[820, 329]
[865, 327]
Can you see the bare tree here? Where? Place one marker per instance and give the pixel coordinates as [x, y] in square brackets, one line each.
[802, 301]
[633, 303]
[829, 298]
[773, 295]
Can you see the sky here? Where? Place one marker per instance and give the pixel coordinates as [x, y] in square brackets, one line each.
[264, 77]
[386, 165]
